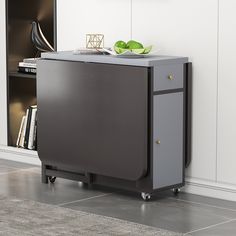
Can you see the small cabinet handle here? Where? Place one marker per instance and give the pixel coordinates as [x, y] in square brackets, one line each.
[170, 77]
[158, 142]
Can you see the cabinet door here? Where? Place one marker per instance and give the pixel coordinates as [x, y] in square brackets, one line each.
[93, 118]
[168, 157]
[226, 161]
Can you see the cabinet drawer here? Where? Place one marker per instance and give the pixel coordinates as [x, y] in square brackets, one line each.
[168, 77]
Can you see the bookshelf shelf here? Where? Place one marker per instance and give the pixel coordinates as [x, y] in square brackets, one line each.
[21, 87]
[17, 74]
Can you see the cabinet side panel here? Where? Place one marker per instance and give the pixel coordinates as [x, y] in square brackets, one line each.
[168, 129]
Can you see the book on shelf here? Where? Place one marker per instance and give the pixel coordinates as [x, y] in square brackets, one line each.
[28, 70]
[27, 129]
[31, 60]
[27, 136]
[24, 129]
[19, 138]
[28, 66]
[32, 129]
[35, 134]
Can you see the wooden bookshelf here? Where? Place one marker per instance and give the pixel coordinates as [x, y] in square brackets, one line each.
[22, 87]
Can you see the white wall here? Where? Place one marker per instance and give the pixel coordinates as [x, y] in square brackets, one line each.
[77, 18]
[226, 161]
[3, 86]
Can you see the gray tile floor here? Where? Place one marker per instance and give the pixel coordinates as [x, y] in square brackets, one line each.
[186, 213]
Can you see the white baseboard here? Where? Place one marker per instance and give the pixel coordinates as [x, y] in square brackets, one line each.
[193, 185]
[19, 155]
[210, 189]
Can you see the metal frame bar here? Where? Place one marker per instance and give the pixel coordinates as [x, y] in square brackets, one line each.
[188, 114]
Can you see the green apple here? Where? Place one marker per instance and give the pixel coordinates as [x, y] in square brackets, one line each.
[132, 44]
[121, 44]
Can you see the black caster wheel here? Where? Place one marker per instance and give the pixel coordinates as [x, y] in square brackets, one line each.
[176, 190]
[52, 179]
[146, 196]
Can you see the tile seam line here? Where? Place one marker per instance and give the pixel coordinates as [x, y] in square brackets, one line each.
[209, 227]
[203, 204]
[85, 199]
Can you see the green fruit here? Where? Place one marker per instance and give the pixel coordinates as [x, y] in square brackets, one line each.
[120, 50]
[134, 45]
[121, 44]
[117, 50]
[138, 51]
[147, 50]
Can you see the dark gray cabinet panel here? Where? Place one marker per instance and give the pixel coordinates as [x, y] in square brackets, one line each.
[94, 117]
[168, 140]
[168, 77]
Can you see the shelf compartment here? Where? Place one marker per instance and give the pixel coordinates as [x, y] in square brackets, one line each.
[21, 86]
